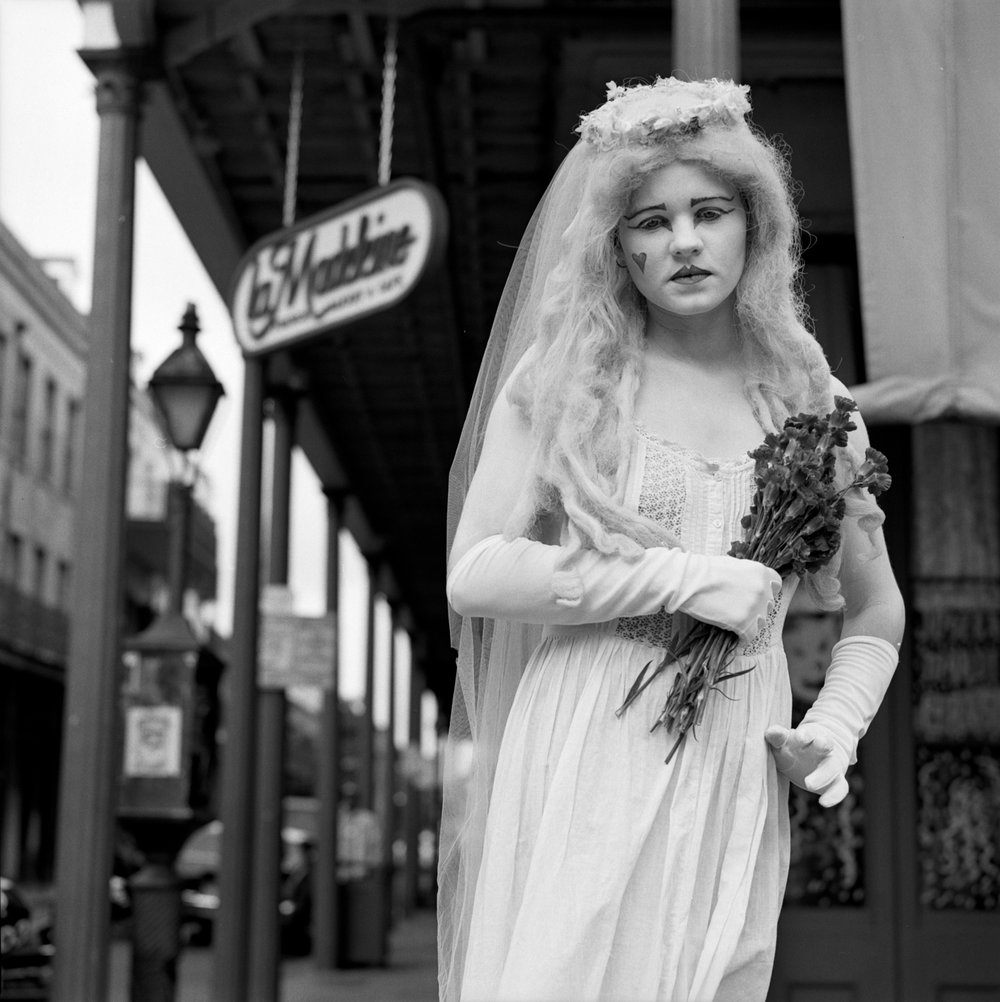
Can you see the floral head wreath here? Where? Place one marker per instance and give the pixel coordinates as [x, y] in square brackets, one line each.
[648, 113]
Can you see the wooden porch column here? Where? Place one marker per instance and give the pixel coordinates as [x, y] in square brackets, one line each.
[264, 958]
[87, 789]
[366, 746]
[413, 791]
[239, 753]
[706, 38]
[326, 915]
[389, 791]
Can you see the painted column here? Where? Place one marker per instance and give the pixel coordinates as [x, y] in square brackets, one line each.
[413, 791]
[389, 766]
[326, 917]
[265, 933]
[91, 726]
[239, 753]
[706, 39]
[366, 746]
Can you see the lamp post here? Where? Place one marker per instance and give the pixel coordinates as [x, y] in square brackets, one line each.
[185, 389]
[186, 393]
[169, 699]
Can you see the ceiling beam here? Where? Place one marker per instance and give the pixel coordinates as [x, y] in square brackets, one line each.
[220, 22]
[135, 21]
[360, 406]
[357, 52]
[427, 129]
[246, 48]
[361, 36]
[464, 51]
[418, 372]
[217, 25]
[314, 441]
[201, 208]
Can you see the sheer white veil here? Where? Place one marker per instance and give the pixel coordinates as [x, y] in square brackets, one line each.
[491, 653]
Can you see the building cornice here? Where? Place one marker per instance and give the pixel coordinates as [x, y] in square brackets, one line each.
[27, 276]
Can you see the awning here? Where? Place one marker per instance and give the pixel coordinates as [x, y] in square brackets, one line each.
[923, 81]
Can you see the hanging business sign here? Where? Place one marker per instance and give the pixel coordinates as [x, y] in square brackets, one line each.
[358, 258]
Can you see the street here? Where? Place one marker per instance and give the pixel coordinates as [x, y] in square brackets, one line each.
[409, 977]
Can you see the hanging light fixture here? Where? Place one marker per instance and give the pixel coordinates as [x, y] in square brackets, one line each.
[185, 390]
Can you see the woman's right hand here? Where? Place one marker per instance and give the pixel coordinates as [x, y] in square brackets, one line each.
[811, 759]
[735, 594]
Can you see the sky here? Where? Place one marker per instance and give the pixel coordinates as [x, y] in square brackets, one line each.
[48, 185]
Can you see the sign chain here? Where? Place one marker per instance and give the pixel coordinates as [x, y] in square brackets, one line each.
[388, 103]
[294, 141]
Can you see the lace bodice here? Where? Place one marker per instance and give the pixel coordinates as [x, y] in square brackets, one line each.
[700, 501]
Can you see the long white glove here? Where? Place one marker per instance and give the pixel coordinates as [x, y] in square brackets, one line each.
[534, 582]
[816, 754]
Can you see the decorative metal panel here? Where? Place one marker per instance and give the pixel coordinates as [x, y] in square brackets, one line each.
[957, 730]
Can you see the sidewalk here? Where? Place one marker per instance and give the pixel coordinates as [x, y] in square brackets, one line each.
[410, 976]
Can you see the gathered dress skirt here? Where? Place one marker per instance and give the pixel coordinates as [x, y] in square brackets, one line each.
[606, 873]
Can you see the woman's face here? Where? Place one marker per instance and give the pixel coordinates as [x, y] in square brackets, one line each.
[683, 239]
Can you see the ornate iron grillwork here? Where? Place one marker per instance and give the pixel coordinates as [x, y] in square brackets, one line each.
[957, 728]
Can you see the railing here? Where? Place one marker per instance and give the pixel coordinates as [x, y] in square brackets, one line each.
[31, 628]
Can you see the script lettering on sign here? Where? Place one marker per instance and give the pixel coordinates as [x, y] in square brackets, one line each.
[359, 258]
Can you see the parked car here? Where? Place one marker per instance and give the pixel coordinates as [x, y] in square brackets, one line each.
[25, 949]
[198, 869]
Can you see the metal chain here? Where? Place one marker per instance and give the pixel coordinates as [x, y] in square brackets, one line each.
[294, 141]
[388, 103]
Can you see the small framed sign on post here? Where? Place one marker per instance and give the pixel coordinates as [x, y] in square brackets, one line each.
[295, 650]
[169, 704]
[361, 257]
[153, 741]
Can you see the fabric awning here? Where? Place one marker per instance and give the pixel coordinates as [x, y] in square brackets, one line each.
[923, 84]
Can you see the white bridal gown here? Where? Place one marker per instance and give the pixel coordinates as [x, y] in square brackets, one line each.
[606, 874]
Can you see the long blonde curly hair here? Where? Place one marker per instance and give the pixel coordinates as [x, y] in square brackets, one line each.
[578, 384]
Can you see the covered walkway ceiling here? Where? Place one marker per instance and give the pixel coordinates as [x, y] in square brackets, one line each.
[488, 94]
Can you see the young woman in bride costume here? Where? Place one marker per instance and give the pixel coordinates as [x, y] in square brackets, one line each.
[649, 334]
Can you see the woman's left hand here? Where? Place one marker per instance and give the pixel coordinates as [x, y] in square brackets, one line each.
[811, 759]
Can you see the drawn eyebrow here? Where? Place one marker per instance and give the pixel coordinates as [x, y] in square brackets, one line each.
[694, 201]
[646, 208]
[711, 198]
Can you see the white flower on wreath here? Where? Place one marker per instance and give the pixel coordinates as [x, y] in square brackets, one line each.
[647, 113]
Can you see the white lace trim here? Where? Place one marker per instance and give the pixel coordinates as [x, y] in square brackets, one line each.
[700, 460]
[663, 497]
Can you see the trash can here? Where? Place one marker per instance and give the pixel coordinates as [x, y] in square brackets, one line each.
[364, 920]
[363, 895]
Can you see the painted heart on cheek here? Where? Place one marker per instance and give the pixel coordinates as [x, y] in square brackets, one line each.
[640, 260]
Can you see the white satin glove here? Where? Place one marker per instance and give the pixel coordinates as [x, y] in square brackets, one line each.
[534, 582]
[816, 754]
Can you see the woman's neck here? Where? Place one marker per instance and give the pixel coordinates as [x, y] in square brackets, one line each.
[692, 386]
[709, 338]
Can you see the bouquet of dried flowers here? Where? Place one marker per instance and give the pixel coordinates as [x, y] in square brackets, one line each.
[793, 527]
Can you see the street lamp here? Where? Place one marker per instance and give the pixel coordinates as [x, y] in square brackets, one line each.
[169, 699]
[185, 392]
[185, 389]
